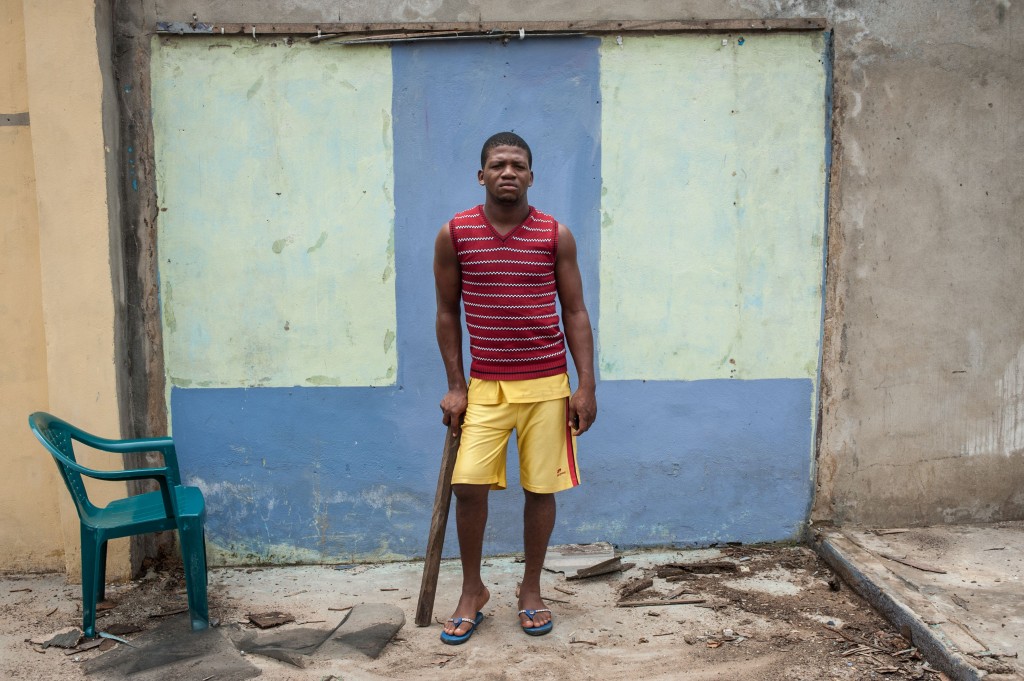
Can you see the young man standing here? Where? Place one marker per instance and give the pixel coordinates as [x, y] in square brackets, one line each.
[507, 262]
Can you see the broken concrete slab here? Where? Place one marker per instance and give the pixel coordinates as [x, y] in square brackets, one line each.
[68, 637]
[969, 618]
[268, 620]
[570, 559]
[363, 633]
[173, 651]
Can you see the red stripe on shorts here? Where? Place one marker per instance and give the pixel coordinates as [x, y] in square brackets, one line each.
[571, 458]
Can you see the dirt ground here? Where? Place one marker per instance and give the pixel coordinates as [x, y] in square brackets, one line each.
[777, 613]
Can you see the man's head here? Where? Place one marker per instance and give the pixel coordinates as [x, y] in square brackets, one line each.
[503, 139]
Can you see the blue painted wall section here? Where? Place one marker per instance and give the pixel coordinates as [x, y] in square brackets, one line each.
[310, 474]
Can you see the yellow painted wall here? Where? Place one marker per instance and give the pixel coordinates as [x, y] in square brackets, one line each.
[29, 506]
[65, 94]
[251, 138]
[712, 247]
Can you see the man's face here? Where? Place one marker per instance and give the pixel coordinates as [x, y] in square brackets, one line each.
[506, 175]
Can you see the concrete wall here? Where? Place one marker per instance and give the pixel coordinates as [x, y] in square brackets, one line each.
[920, 390]
[923, 391]
[920, 419]
[300, 189]
[58, 289]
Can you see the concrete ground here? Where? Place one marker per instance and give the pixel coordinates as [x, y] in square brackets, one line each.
[956, 591]
[778, 612]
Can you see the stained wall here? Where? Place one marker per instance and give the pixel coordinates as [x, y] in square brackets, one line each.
[300, 190]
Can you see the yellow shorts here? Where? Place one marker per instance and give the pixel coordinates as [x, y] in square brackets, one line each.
[547, 448]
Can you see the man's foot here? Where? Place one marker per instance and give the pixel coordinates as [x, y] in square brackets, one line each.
[470, 605]
[534, 616]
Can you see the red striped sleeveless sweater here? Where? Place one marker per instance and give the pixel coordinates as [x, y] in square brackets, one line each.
[508, 291]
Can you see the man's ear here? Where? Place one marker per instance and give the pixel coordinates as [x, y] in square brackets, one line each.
[480, 176]
[531, 179]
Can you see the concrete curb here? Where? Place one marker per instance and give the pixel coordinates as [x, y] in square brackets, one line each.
[932, 644]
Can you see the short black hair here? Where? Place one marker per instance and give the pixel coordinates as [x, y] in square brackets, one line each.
[503, 139]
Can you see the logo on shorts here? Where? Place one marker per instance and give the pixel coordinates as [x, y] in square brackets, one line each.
[559, 472]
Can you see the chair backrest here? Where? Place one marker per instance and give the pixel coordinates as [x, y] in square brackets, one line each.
[55, 435]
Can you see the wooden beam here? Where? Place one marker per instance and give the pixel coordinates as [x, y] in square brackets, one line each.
[593, 27]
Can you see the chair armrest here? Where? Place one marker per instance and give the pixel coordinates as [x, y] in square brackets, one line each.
[157, 473]
[164, 445]
[166, 478]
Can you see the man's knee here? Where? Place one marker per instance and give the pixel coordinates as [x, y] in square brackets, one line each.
[470, 493]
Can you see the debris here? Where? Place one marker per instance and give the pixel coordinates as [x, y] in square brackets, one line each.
[568, 592]
[578, 561]
[689, 639]
[675, 601]
[347, 607]
[111, 637]
[52, 611]
[959, 601]
[103, 606]
[713, 643]
[169, 613]
[106, 644]
[389, 589]
[603, 568]
[576, 640]
[678, 592]
[122, 629]
[14, 591]
[895, 530]
[705, 568]
[266, 620]
[69, 637]
[635, 586]
[297, 593]
[918, 566]
[88, 645]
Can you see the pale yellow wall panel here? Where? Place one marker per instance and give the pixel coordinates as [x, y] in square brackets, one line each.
[712, 240]
[275, 181]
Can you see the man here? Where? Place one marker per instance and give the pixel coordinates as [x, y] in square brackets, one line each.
[507, 261]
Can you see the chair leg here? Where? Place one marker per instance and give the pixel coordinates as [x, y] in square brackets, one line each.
[92, 579]
[193, 556]
[101, 575]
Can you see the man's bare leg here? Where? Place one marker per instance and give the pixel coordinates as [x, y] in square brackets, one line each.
[470, 520]
[538, 522]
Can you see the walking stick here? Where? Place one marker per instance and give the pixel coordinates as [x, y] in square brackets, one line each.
[438, 524]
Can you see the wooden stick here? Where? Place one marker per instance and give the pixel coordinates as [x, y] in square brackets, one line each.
[645, 604]
[438, 524]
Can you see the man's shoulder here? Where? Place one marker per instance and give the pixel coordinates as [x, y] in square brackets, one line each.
[469, 213]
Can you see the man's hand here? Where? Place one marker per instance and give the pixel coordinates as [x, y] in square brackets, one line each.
[582, 410]
[453, 406]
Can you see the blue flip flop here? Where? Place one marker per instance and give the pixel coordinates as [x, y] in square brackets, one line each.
[542, 629]
[454, 639]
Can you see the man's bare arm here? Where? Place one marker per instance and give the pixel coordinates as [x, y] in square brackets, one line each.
[447, 284]
[578, 334]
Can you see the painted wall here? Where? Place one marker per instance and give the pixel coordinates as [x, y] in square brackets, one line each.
[30, 532]
[253, 165]
[75, 284]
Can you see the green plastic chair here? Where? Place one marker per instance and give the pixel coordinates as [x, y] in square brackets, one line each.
[174, 506]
